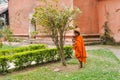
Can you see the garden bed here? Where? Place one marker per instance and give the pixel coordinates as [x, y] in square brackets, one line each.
[101, 65]
[34, 55]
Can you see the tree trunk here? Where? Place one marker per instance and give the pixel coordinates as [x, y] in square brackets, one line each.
[62, 49]
[62, 57]
[59, 44]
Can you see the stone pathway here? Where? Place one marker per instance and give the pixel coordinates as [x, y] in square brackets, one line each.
[114, 49]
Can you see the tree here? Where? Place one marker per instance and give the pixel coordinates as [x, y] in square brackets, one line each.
[6, 32]
[106, 37]
[56, 20]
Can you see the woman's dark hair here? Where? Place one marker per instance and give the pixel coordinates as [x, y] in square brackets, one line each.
[77, 32]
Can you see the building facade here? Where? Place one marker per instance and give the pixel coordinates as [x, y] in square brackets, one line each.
[94, 15]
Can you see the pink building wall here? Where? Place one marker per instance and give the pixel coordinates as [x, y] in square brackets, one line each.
[94, 14]
[111, 9]
[88, 19]
[19, 11]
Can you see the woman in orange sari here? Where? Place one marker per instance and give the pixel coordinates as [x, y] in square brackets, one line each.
[78, 46]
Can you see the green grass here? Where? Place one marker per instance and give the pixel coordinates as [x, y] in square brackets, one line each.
[101, 65]
[7, 47]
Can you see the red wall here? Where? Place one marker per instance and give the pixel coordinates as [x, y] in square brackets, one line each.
[19, 15]
[19, 11]
[111, 9]
[88, 19]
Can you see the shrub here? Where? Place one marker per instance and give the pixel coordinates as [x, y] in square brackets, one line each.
[4, 64]
[22, 49]
[37, 46]
[6, 33]
[1, 44]
[68, 51]
[25, 59]
[107, 37]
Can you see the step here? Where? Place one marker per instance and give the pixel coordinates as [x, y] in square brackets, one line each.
[91, 39]
[48, 36]
[94, 35]
[67, 41]
[88, 39]
[92, 43]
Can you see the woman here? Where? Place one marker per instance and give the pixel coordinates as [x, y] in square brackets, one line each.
[78, 46]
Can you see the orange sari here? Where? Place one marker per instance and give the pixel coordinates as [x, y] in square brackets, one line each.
[79, 48]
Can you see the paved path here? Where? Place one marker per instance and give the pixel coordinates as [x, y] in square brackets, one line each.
[114, 49]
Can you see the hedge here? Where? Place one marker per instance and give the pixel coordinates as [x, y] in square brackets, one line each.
[25, 59]
[4, 64]
[22, 49]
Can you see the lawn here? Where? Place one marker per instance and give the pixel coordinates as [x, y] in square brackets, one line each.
[101, 65]
[7, 47]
